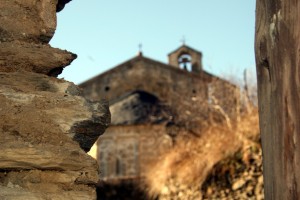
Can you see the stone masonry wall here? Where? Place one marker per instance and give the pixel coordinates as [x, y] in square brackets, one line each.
[187, 94]
[44, 120]
[128, 151]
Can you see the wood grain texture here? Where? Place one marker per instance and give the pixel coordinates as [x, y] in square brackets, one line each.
[277, 49]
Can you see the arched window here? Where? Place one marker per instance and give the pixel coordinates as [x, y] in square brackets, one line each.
[185, 61]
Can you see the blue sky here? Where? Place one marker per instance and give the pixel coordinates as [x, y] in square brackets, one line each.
[106, 33]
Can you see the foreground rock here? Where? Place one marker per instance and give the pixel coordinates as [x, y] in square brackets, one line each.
[48, 110]
[46, 125]
[40, 185]
[20, 56]
[26, 27]
[61, 4]
[41, 121]
[30, 20]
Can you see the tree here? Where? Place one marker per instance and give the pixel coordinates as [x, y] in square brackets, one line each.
[277, 49]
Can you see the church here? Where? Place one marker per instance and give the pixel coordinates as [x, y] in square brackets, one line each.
[152, 105]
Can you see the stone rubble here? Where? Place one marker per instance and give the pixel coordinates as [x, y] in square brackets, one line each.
[231, 179]
[224, 163]
[237, 177]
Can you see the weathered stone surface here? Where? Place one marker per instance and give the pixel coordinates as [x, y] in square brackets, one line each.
[18, 193]
[27, 20]
[44, 120]
[16, 56]
[61, 4]
[39, 156]
[18, 154]
[40, 109]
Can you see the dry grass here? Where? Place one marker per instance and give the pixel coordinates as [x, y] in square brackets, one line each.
[192, 158]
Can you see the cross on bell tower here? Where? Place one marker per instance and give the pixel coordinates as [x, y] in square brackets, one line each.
[140, 49]
[183, 40]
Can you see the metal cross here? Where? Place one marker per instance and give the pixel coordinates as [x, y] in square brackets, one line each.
[140, 47]
[183, 40]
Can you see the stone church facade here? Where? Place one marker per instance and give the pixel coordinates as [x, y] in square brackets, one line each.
[151, 104]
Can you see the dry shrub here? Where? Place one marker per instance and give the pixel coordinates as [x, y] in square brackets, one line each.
[192, 158]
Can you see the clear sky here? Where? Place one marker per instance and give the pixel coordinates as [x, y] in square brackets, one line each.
[106, 33]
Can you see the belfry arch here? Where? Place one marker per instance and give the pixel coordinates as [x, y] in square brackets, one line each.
[187, 58]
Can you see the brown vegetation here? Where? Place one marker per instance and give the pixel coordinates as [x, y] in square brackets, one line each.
[181, 172]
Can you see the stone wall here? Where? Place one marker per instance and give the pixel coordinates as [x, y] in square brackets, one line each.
[44, 120]
[196, 58]
[187, 94]
[127, 151]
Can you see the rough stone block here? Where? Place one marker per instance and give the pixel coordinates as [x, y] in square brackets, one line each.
[14, 192]
[61, 4]
[43, 59]
[41, 120]
[44, 110]
[27, 20]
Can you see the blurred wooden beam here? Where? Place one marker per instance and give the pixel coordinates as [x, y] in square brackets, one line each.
[277, 49]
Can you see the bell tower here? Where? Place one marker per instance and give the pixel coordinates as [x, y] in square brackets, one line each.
[186, 58]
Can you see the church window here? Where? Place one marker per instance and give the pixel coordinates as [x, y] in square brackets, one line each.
[107, 88]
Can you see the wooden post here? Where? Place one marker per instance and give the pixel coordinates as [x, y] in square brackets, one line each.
[277, 49]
